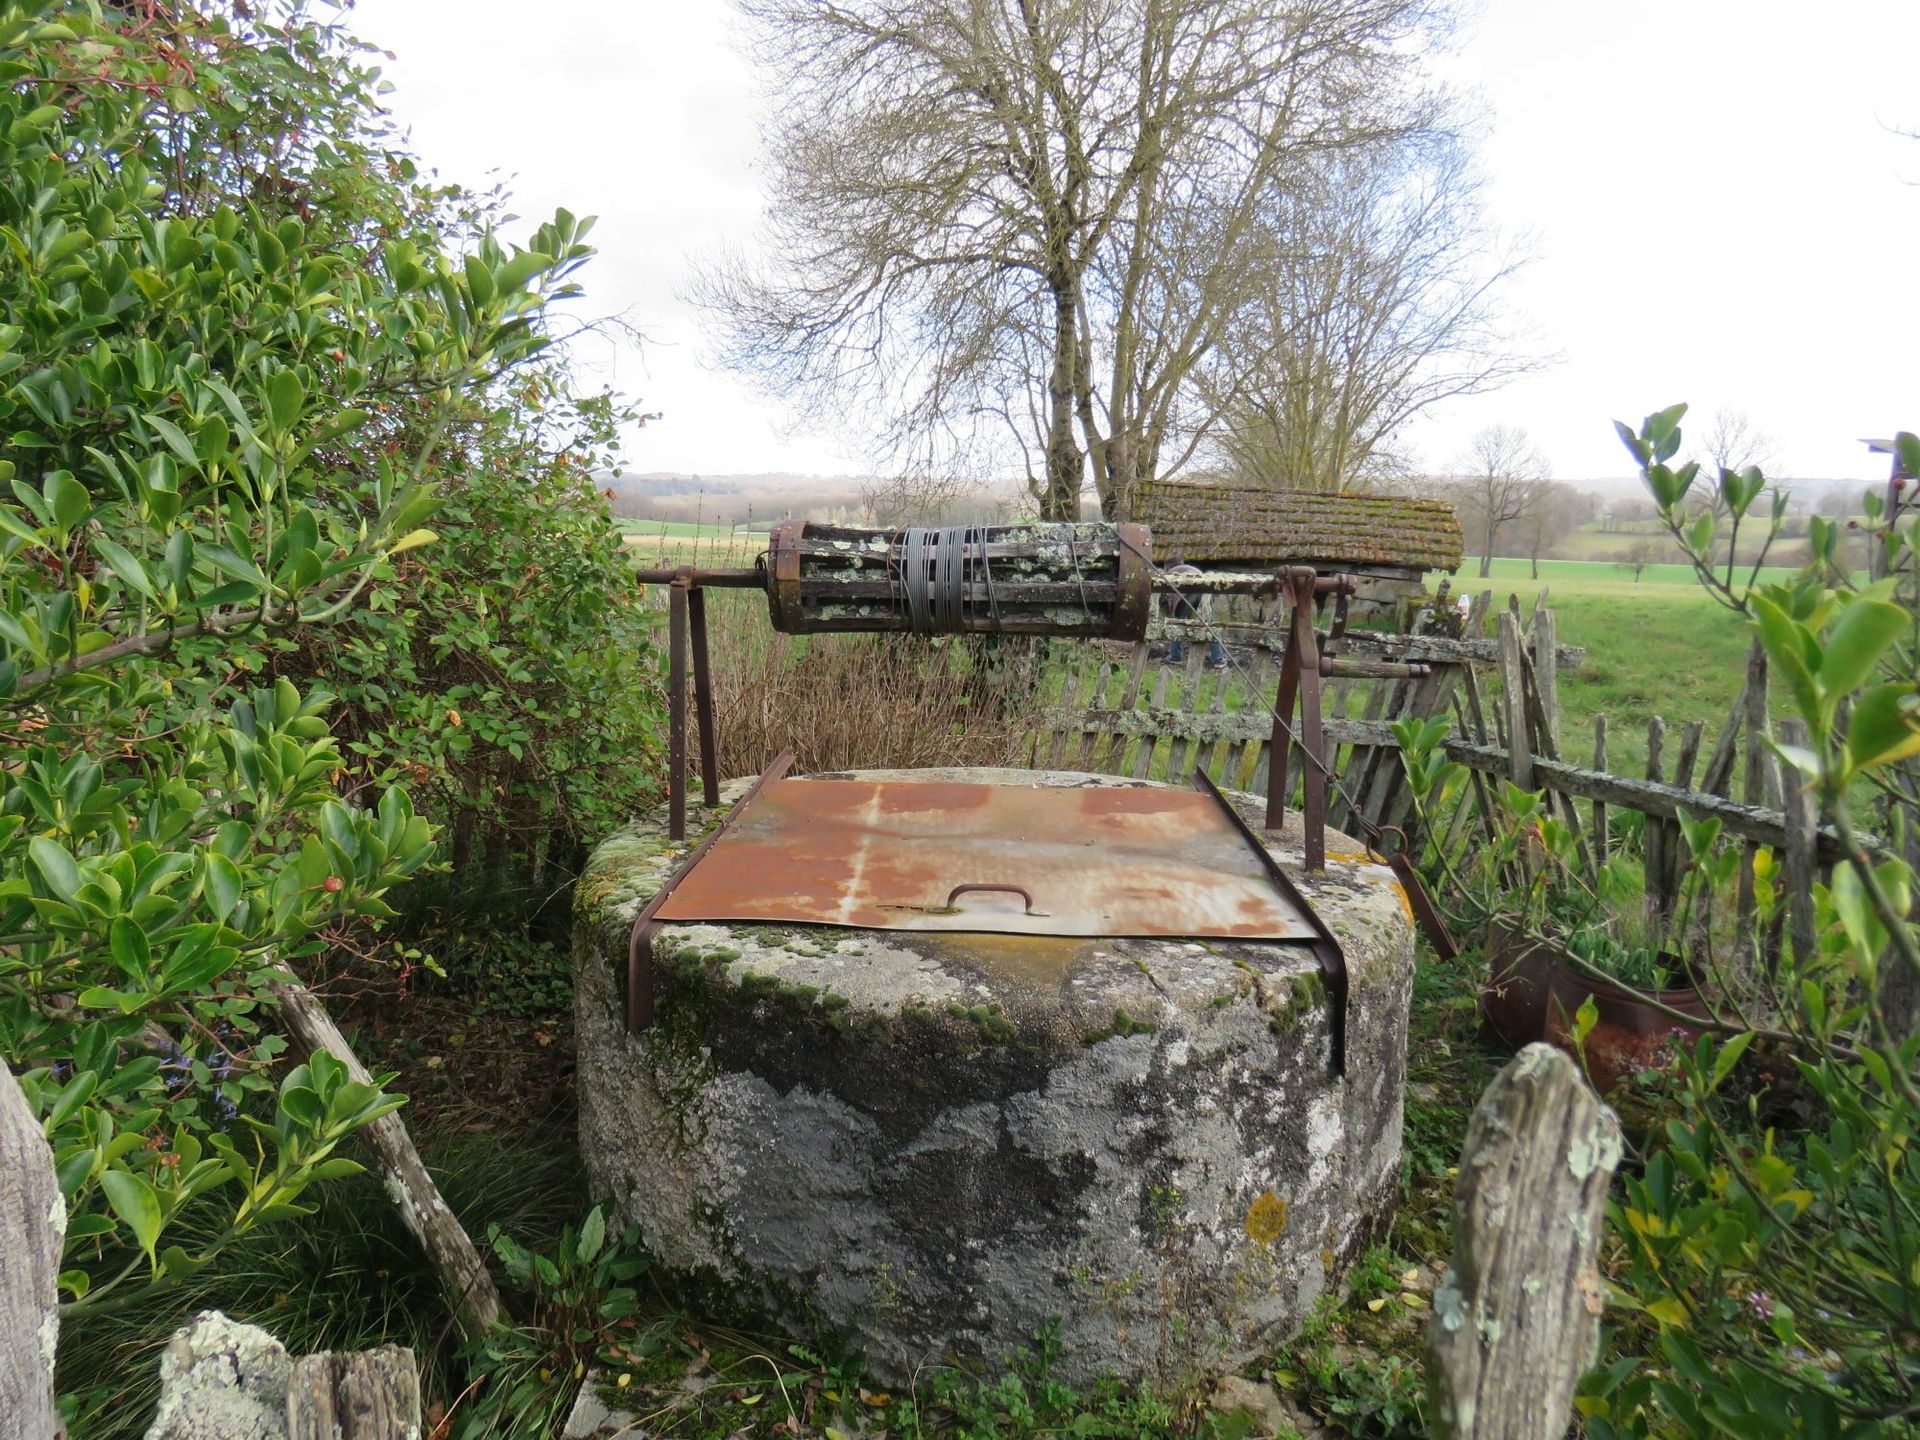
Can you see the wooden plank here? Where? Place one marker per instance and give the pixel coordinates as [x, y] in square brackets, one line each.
[33, 1230]
[1799, 867]
[1083, 752]
[1677, 854]
[1516, 1320]
[365, 1395]
[1600, 837]
[1075, 696]
[1112, 760]
[1546, 678]
[1384, 706]
[1210, 750]
[1719, 772]
[471, 1296]
[1655, 840]
[1757, 788]
[1514, 702]
[1441, 649]
[1260, 681]
[1177, 766]
[1149, 738]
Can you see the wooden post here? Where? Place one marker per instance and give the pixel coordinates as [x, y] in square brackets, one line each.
[1757, 777]
[33, 1230]
[1546, 670]
[1517, 1319]
[364, 1395]
[1514, 702]
[1600, 806]
[1677, 854]
[1719, 772]
[471, 1295]
[1798, 865]
[1655, 835]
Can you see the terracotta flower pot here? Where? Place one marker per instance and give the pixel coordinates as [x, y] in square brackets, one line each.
[1533, 993]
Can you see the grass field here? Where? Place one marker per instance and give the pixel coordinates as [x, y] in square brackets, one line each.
[1660, 646]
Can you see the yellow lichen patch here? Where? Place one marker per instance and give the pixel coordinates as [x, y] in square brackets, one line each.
[1267, 1218]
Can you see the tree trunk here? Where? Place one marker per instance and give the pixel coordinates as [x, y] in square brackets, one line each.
[471, 1295]
[1062, 498]
[1116, 495]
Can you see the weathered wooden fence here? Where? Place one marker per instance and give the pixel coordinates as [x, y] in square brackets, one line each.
[1137, 711]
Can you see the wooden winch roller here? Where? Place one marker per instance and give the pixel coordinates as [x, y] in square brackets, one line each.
[1089, 580]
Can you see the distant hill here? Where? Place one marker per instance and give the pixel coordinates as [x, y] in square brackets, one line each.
[731, 499]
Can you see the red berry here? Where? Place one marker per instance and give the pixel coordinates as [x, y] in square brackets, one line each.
[332, 884]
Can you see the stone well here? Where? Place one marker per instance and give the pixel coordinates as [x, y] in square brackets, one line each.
[949, 1141]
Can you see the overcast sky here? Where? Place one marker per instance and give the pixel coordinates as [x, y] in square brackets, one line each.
[1724, 210]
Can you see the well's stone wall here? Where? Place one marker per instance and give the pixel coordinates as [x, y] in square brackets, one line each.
[949, 1142]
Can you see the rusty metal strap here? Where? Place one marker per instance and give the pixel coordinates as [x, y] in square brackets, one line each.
[1326, 949]
[640, 943]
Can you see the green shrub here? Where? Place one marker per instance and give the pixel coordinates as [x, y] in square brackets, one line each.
[237, 358]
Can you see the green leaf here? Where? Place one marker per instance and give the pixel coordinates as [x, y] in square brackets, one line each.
[593, 1232]
[1784, 640]
[285, 396]
[134, 1202]
[302, 1106]
[67, 499]
[75, 1093]
[175, 439]
[1584, 1019]
[130, 949]
[1857, 641]
[223, 884]
[1885, 726]
[55, 865]
[1728, 1057]
[123, 564]
[412, 540]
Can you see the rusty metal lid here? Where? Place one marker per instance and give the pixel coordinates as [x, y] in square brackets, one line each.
[973, 857]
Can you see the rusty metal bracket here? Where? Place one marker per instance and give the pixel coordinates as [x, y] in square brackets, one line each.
[687, 632]
[1300, 681]
[640, 942]
[1425, 913]
[1326, 948]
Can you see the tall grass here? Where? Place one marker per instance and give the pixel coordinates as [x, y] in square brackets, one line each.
[347, 1277]
[845, 702]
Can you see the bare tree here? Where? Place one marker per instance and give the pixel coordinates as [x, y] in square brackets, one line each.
[1499, 482]
[1553, 512]
[1639, 555]
[1736, 441]
[1030, 218]
[1374, 300]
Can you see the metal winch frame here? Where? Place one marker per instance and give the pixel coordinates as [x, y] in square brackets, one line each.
[827, 579]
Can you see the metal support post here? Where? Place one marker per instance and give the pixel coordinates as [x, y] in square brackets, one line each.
[703, 694]
[677, 705]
